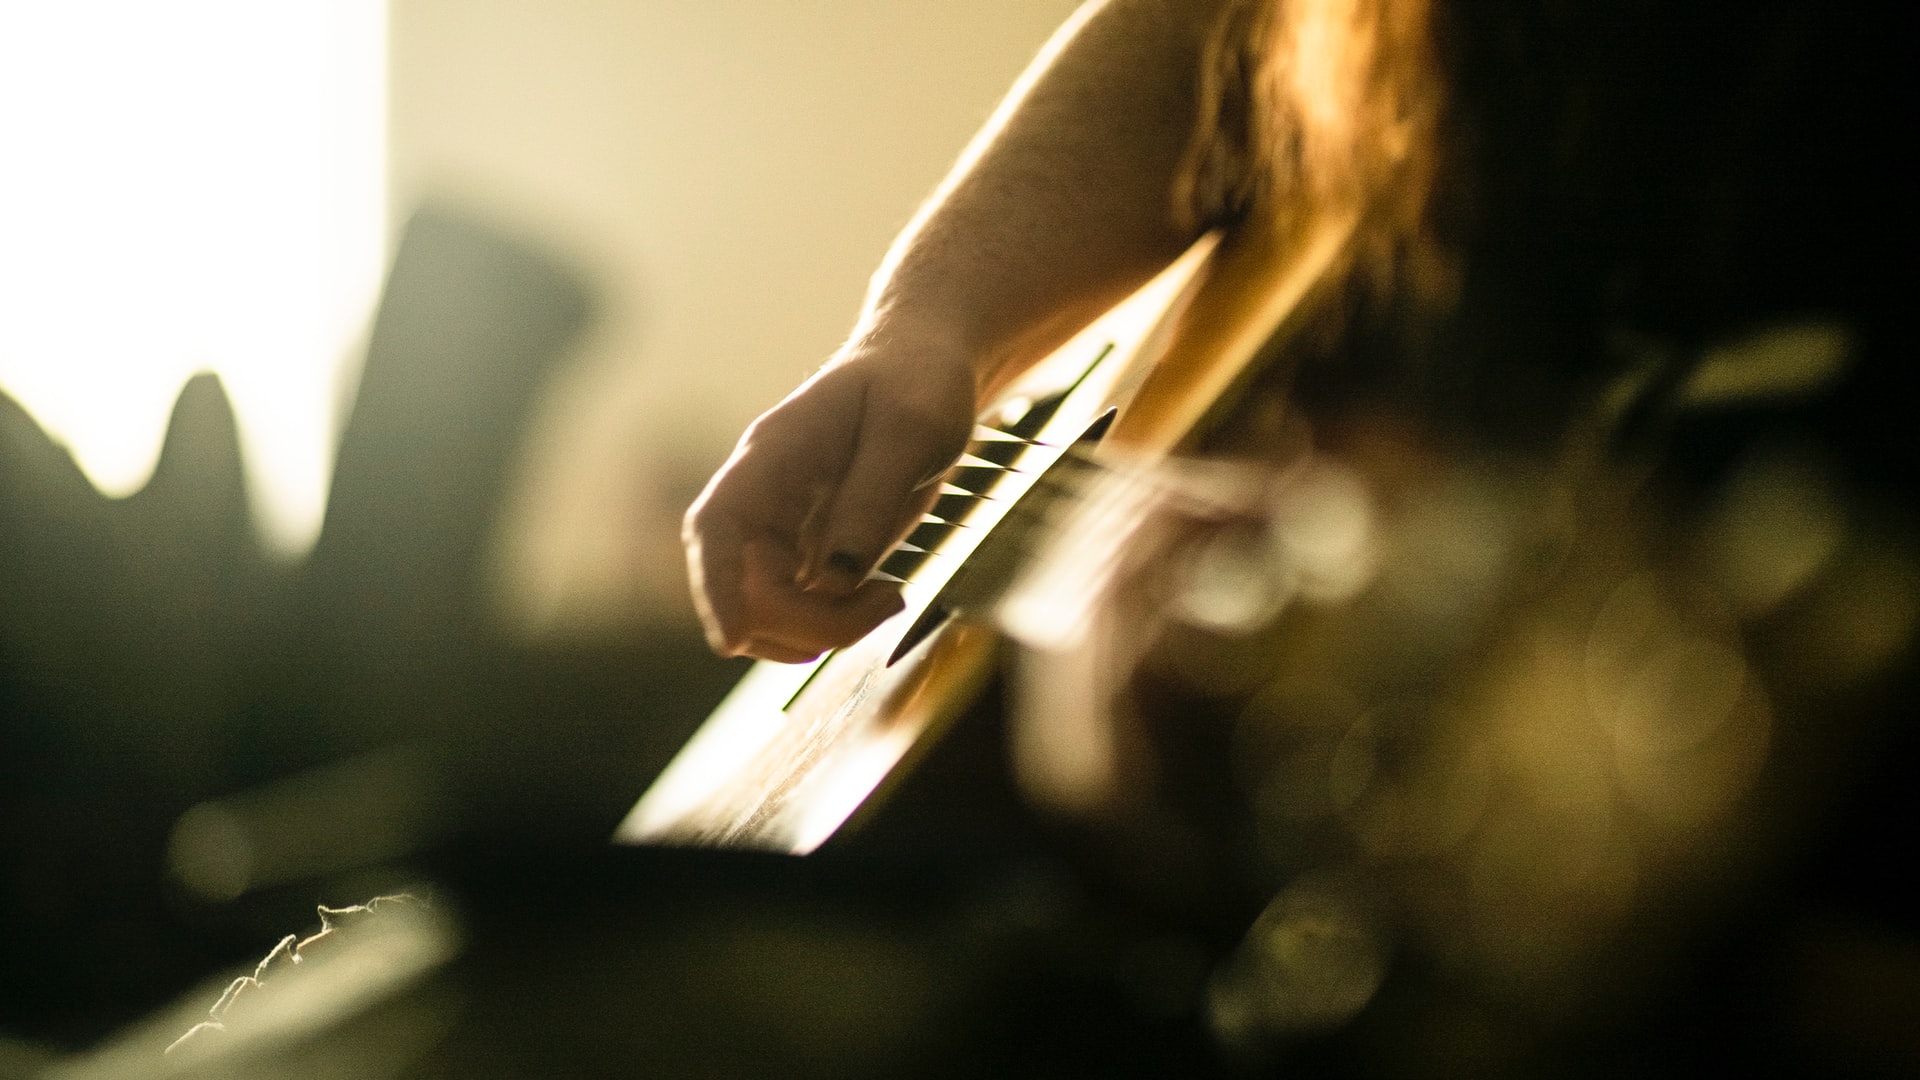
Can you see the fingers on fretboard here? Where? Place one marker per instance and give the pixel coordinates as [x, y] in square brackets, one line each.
[993, 460]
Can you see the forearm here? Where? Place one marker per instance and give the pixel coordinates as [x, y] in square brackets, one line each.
[1063, 203]
[1061, 207]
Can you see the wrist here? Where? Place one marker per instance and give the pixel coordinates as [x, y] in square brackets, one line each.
[929, 350]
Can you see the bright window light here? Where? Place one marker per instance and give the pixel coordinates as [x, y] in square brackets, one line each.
[189, 186]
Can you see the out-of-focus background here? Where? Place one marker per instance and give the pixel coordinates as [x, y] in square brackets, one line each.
[358, 361]
[720, 177]
[726, 175]
[1543, 711]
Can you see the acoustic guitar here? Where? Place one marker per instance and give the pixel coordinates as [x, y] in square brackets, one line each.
[794, 750]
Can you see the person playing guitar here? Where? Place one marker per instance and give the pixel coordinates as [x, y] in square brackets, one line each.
[1551, 200]
[1062, 206]
[1544, 198]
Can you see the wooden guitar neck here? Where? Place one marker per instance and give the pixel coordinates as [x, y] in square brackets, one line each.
[794, 750]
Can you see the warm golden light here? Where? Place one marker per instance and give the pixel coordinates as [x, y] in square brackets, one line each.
[190, 186]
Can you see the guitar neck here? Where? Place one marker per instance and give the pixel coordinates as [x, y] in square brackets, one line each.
[795, 750]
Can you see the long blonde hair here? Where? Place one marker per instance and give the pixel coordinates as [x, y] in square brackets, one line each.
[1316, 105]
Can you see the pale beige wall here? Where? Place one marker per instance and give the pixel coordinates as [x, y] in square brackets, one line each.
[729, 171]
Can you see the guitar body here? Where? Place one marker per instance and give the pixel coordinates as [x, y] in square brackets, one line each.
[794, 750]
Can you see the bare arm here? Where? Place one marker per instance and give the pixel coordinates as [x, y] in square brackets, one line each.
[1062, 204]
[1059, 208]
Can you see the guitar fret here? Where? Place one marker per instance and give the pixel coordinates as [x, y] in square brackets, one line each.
[955, 508]
[930, 535]
[903, 563]
[1008, 454]
[976, 479]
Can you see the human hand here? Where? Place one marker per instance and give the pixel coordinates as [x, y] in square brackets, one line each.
[818, 489]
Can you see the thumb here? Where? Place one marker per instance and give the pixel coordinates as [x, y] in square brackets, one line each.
[886, 488]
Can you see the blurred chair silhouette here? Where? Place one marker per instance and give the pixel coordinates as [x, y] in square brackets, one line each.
[151, 655]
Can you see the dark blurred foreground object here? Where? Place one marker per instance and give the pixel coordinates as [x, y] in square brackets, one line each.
[383, 943]
[590, 964]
